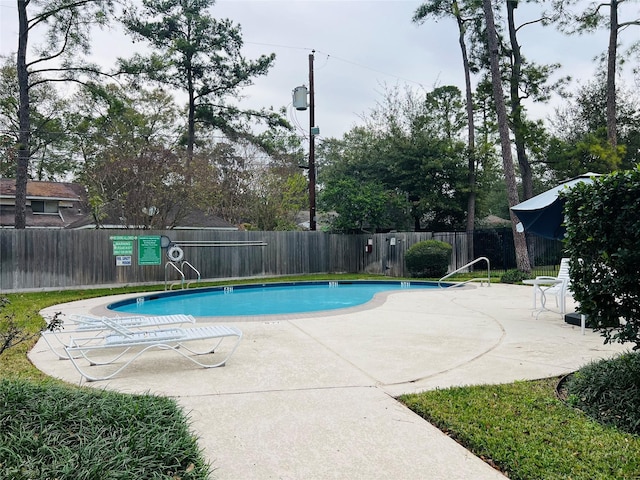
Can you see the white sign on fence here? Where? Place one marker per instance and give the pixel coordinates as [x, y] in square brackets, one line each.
[123, 260]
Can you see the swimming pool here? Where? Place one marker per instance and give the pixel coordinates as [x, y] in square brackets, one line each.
[263, 299]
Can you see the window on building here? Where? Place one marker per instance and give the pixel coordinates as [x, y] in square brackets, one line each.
[44, 206]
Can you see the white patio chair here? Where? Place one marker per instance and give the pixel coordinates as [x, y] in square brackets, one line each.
[559, 290]
[87, 322]
[93, 323]
[124, 340]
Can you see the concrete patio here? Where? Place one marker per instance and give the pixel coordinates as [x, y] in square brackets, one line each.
[312, 396]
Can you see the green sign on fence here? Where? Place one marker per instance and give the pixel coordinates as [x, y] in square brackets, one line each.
[149, 251]
[122, 247]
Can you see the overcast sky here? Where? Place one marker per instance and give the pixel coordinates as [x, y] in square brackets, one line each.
[359, 46]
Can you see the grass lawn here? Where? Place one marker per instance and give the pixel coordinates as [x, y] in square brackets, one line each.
[521, 428]
[525, 431]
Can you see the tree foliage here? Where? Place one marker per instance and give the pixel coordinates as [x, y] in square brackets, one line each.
[578, 141]
[49, 157]
[142, 191]
[242, 184]
[60, 58]
[121, 141]
[416, 160]
[408, 155]
[197, 54]
[465, 14]
[360, 206]
[603, 234]
[614, 17]
[278, 185]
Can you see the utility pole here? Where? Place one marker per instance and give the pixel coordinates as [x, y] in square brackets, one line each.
[312, 148]
[300, 103]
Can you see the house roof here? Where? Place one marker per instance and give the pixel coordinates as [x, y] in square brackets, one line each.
[201, 219]
[61, 220]
[70, 193]
[79, 217]
[194, 220]
[44, 190]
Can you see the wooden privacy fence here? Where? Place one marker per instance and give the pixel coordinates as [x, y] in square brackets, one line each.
[58, 259]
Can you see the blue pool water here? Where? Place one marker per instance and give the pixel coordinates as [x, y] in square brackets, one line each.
[264, 299]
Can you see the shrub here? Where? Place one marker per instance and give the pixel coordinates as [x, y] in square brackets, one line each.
[513, 276]
[609, 391]
[52, 431]
[603, 234]
[428, 259]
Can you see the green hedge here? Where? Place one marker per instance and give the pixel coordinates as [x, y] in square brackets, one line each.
[603, 242]
[428, 259]
[609, 391]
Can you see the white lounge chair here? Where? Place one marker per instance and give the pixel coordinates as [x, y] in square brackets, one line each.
[86, 322]
[559, 286]
[89, 323]
[125, 340]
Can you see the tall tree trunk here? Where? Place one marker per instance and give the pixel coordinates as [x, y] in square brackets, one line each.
[522, 258]
[191, 132]
[516, 104]
[612, 135]
[24, 136]
[471, 143]
[191, 114]
[191, 127]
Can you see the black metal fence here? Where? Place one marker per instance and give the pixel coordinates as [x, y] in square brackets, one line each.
[498, 246]
[54, 259]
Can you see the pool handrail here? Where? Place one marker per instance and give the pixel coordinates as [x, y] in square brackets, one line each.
[185, 263]
[165, 276]
[482, 279]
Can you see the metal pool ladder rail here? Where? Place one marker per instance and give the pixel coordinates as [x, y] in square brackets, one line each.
[481, 279]
[181, 272]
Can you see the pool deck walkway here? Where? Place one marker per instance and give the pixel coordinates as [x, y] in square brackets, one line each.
[313, 396]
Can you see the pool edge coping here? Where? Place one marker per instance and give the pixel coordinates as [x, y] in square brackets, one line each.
[378, 299]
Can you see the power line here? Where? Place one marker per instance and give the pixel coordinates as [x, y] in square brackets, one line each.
[350, 62]
[371, 69]
[278, 46]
